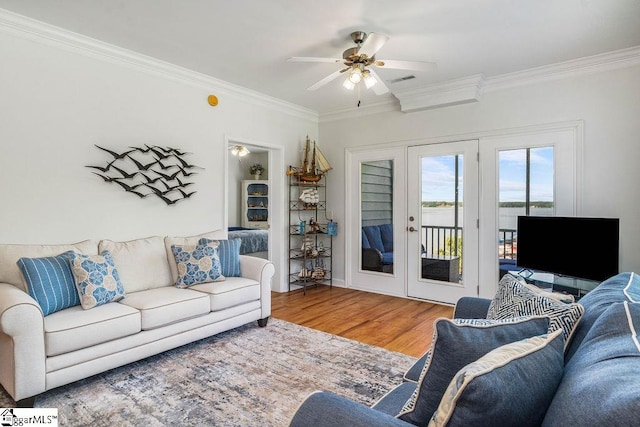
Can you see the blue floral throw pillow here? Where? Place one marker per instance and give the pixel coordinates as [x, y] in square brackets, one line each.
[197, 264]
[96, 278]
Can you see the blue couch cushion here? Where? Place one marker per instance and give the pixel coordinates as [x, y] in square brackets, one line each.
[387, 258]
[50, 282]
[510, 386]
[374, 237]
[455, 344]
[365, 241]
[601, 383]
[619, 288]
[386, 232]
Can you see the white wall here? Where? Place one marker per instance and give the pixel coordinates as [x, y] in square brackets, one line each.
[57, 100]
[608, 103]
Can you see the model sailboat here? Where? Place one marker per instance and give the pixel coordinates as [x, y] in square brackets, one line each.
[314, 165]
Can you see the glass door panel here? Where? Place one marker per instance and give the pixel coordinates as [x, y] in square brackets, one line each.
[443, 214]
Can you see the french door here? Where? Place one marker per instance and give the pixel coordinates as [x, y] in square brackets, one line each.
[442, 221]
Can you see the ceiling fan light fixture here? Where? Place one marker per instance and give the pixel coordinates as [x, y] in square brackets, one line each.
[355, 76]
[348, 84]
[369, 80]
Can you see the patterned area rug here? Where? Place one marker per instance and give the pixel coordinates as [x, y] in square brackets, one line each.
[249, 376]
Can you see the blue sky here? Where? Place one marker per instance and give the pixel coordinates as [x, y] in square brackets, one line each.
[438, 176]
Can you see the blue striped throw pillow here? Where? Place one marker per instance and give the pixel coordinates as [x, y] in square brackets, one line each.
[50, 282]
[229, 253]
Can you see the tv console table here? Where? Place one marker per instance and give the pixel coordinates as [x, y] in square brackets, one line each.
[557, 283]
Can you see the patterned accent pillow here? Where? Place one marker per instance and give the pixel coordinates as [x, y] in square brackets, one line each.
[482, 392]
[96, 279]
[50, 282]
[197, 264]
[455, 344]
[512, 299]
[229, 253]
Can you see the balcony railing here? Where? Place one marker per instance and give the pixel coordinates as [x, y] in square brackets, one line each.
[439, 241]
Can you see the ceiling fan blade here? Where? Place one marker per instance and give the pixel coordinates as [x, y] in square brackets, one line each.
[372, 44]
[313, 59]
[379, 88]
[407, 65]
[326, 80]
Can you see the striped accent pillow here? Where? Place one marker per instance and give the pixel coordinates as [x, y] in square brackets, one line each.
[229, 253]
[512, 299]
[50, 282]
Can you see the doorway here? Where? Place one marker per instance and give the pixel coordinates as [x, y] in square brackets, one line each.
[440, 261]
[268, 208]
[442, 237]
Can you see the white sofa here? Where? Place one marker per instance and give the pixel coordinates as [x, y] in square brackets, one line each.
[39, 353]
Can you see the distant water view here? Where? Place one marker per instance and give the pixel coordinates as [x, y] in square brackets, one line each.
[444, 216]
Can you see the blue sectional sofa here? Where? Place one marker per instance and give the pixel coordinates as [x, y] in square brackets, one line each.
[377, 247]
[593, 381]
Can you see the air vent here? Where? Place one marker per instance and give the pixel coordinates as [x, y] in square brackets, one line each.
[401, 79]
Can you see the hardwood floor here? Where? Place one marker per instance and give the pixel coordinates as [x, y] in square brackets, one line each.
[397, 324]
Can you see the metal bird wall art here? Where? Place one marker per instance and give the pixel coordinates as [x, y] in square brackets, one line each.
[149, 170]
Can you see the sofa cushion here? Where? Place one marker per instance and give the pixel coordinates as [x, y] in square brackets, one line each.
[619, 288]
[187, 241]
[142, 263]
[386, 233]
[197, 264]
[162, 306]
[374, 237]
[229, 253]
[233, 291]
[601, 382]
[512, 299]
[96, 279]
[392, 402]
[509, 386]
[75, 328]
[50, 282]
[365, 241]
[10, 254]
[476, 337]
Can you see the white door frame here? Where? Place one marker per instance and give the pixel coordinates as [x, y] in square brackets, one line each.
[436, 290]
[488, 214]
[278, 230]
[385, 283]
[567, 142]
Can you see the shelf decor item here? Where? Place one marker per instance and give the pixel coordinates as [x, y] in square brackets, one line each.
[314, 165]
[256, 170]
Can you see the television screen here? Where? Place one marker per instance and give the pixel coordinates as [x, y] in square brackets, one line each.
[586, 248]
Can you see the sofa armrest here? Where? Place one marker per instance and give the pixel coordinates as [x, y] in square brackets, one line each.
[22, 353]
[262, 271]
[471, 308]
[371, 259]
[324, 409]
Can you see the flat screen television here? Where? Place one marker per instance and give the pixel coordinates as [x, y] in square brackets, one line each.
[586, 248]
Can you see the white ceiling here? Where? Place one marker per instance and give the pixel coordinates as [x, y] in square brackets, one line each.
[247, 42]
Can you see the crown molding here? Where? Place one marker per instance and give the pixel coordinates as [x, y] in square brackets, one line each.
[40, 32]
[603, 62]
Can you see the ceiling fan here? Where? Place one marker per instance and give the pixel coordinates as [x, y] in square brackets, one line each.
[358, 60]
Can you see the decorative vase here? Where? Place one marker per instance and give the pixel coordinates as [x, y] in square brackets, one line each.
[256, 176]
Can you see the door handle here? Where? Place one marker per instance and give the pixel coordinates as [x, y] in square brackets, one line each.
[412, 229]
